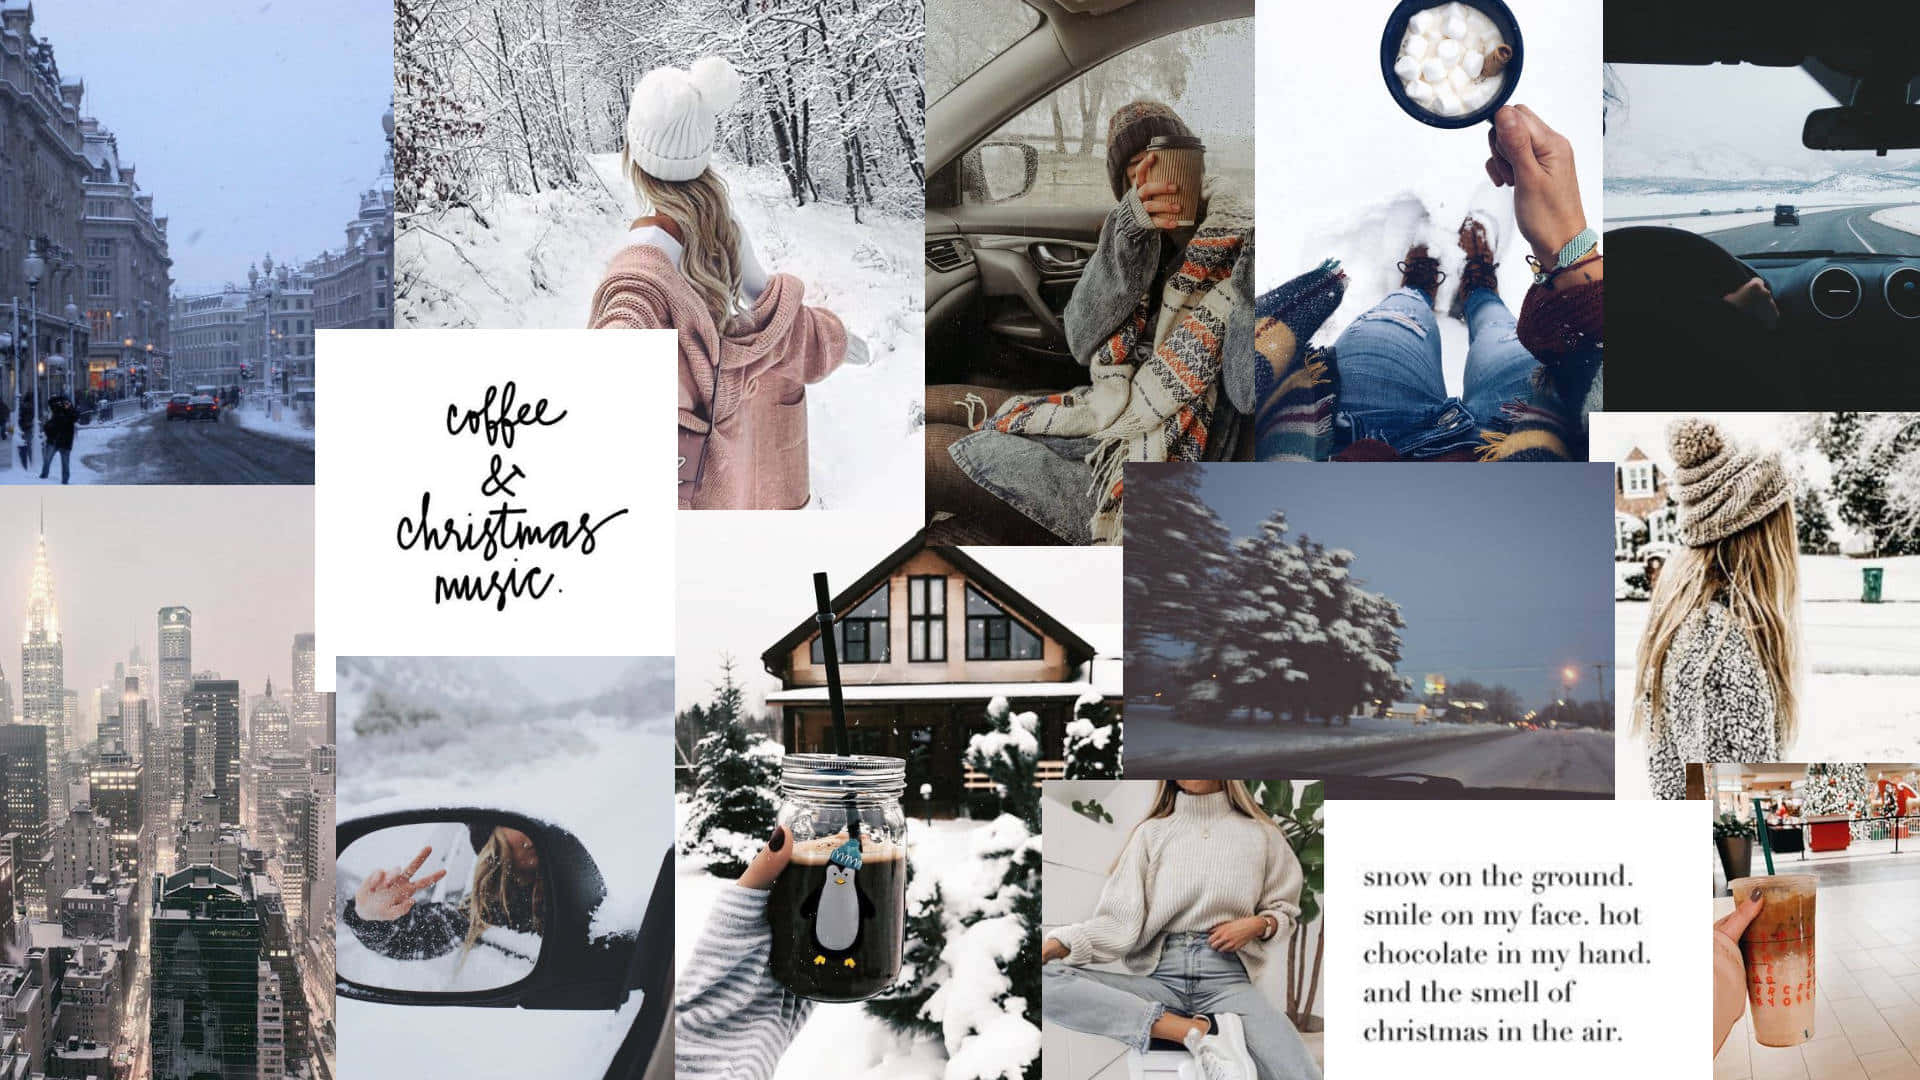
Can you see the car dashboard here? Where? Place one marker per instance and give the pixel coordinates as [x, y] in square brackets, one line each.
[1860, 310]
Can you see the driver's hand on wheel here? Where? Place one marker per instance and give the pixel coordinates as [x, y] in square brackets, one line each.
[1755, 300]
[1160, 198]
[1537, 162]
[388, 894]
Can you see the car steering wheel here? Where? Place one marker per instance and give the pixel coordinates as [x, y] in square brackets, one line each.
[1673, 342]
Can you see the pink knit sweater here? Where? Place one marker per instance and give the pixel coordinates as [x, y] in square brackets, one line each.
[749, 384]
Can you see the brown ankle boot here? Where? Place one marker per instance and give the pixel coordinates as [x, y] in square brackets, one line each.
[1421, 271]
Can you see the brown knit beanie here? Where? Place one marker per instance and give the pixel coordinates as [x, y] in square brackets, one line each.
[1721, 488]
[1133, 125]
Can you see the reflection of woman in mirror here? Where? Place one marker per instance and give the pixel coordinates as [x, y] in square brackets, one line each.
[508, 891]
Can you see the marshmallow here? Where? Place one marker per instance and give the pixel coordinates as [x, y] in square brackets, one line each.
[1449, 103]
[1416, 47]
[1407, 68]
[1421, 93]
[1448, 51]
[1459, 80]
[1422, 21]
[1434, 71]
[1471, 64]
[1456, 27]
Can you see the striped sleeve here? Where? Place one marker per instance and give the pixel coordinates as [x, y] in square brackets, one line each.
[732, 1020]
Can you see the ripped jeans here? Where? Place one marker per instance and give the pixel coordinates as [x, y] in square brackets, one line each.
[1192, 978]
[1391, 388]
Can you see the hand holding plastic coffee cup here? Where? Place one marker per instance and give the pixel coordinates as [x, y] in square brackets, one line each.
[1778, 946]
[1730, 966]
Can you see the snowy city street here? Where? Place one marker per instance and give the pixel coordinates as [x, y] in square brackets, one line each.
[135, 447]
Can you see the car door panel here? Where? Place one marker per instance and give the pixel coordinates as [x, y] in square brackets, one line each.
[1002, 309]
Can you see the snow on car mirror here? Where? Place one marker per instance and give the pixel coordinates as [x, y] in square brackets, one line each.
[1849, 127]
[452, 906]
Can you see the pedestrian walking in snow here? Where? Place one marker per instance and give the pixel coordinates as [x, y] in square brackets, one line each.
[1158, 316]
[1204, 894]
[1718, 663]
[59, 429]
[749, 346]
[23, 432]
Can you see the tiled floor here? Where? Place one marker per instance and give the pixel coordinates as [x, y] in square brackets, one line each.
[1867, 1005]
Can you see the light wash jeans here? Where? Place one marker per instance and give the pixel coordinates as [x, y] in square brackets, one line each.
[1192, 978]
[1391, 388]
[46, 461]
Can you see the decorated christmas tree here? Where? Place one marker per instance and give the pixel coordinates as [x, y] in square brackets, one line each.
[736, 773]
[1837, 788]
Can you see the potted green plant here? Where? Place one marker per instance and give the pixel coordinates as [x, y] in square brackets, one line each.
[1733, 838]
[1301, 820]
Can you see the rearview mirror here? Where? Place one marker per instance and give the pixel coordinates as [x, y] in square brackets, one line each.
[999, 172]
[1854, 127]
[473, 907]
[441, 906]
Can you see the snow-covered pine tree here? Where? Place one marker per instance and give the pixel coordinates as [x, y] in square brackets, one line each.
[982, 998]
[1866, 450]
[1094, 738]
[735, 777]
[1810, 519]
[1178, 550]
[1837, 788]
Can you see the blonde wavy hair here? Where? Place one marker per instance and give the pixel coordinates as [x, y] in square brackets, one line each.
[495, 893]
[710, 259]
[1239, 796]
[1756, 573]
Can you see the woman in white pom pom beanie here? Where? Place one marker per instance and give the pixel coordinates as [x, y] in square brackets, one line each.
[748, 345]
[1718, 669]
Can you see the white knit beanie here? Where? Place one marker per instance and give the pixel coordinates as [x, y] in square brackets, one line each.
[1720, 487]
[671, 117]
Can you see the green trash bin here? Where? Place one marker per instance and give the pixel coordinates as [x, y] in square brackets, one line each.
[1871, 579]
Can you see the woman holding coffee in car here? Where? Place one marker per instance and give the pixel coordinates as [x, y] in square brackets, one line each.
[1162, 303]
[508, 891]
[1205, 891]
[748, 346]
[1718, 663]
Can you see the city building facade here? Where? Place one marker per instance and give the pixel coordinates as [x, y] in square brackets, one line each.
[127, 273]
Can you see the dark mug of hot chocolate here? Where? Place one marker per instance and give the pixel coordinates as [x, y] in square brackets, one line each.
[838, 914]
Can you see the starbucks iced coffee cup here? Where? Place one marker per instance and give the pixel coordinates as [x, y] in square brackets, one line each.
[1778, 948]
[1180, 160]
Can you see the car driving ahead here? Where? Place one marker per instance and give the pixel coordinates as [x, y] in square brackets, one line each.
[1816, 306]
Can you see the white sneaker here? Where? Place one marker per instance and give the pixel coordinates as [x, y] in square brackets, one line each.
[1223, 1054]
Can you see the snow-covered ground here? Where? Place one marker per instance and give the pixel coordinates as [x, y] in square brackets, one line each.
[605, 778]
[88, 440]
[1728, 209]
[1153, 734]
[1344, 173]
[255, 416]
[1862, 695]
[841, 1041]
[538, 265]
[1904, 218]
[1837, 578]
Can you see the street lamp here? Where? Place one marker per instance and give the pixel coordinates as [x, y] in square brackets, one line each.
[73, 340]
[33, 268]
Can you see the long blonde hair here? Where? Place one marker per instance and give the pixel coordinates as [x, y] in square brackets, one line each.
[1239, 797]
[492, 899]
[1756, 573]
[710, 258]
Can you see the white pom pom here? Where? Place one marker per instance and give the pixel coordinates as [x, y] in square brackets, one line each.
[1407, 68]
[1448, 50]
[1434, 71]
[717, 82]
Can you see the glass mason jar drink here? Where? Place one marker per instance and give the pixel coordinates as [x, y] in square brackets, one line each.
[838, 911]
[1778, 948]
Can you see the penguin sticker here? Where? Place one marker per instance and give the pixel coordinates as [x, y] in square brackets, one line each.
[839, 909]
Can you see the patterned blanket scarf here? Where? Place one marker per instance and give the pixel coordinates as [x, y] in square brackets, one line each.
[1148, 401]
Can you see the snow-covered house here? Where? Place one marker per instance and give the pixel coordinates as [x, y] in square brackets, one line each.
[927, 638]
[1641, 501]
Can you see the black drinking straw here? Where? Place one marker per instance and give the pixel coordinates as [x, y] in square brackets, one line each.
[828, 648]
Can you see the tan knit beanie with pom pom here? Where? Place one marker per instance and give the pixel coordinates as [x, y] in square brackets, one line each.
[1721, 487]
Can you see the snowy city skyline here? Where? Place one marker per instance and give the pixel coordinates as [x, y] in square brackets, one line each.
[271, 129]
[249, 597]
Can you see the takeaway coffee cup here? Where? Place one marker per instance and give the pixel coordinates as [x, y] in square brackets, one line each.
[838, 911]
[1180, 160]
[1778, 948]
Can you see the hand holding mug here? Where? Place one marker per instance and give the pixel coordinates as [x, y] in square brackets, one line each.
[386, 895]
[1537, 162]
[1160, 198]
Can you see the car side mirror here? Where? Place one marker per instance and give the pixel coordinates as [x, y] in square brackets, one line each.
[1878, 128]
[473, 907]
[998, 172]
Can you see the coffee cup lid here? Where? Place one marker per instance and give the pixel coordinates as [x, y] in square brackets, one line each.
[1175, 142]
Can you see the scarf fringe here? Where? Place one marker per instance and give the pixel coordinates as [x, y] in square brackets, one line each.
[970, 403]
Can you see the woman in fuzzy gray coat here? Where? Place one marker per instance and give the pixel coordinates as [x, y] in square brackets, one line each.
[1719, 660]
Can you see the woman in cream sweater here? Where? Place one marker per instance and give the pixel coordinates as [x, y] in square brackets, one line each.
[1205, 890]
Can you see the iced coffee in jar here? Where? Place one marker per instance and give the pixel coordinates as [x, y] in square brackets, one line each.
[838, 911]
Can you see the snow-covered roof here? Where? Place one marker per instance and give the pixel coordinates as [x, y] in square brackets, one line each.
[966, 691]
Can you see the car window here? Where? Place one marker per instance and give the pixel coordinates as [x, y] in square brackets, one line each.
[963, 35]
[1205, 74]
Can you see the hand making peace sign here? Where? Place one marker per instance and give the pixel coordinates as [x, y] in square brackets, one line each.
[387, 895]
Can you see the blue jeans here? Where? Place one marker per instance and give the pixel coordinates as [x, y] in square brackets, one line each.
[46, 460]
[1191, 978]
[1391, 388]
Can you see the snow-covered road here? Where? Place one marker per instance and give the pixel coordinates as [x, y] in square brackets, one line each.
[542, 256]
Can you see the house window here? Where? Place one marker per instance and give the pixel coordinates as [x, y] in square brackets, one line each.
[99, 281]
[992, 634]
[1637, 478]
[927, 618]
[98, 248]
[861, 634]
[1623, 530]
